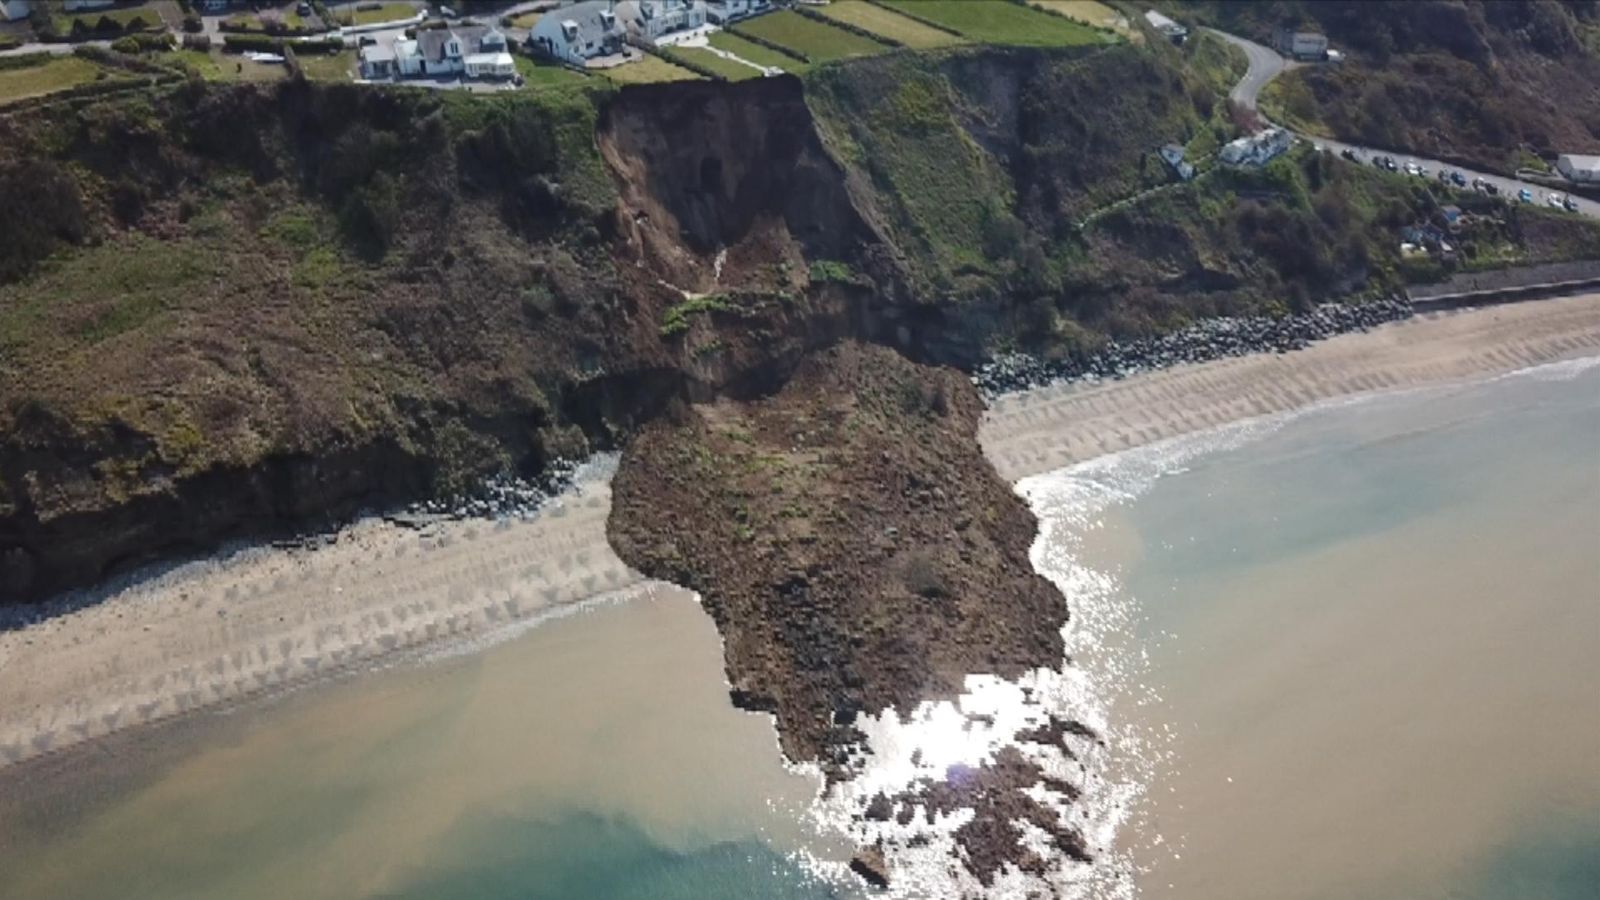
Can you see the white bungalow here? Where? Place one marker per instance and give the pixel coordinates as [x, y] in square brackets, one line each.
[722, 12]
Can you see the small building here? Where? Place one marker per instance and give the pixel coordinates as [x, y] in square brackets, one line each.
[1256, 149]
[1301, 44]
[578, 33]
[1585, 169]
[1172, 155]
[721, 12]
[15, 10]
[1165, 26]
[651, 21]
[407, 58]
[379, 62]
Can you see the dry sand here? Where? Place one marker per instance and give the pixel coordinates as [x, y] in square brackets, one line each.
[261, 620]
[221, 631]
[1042, 430]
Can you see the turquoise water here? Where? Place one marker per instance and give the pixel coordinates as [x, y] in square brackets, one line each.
[585, 857]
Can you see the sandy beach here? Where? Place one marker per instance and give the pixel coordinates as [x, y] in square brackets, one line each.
[220, 631]
[1041, 430]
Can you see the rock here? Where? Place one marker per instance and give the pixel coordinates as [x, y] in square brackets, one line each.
[880, 808]
[869, 864]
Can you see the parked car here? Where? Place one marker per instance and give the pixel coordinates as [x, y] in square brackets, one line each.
[1570, 204]
[1557, 200]
[303, 9]
[1349, 154]
[1525, 195]
[1413, 169]
[1458, 179]
[366, 40]
[1491, 189]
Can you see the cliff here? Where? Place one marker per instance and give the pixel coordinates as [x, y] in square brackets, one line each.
[234, 311]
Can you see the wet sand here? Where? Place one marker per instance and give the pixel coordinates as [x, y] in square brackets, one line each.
[217, 632]
[1042, 430]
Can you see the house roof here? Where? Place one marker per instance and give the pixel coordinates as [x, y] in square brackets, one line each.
[378, 53]
[1581, 162]
[433, 40]
[586, 18]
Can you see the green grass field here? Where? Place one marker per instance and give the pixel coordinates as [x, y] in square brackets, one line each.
[999, 22]
[538, 74]
[199, 60]
[761, 56]
[647, 70]
[47, 78]
[888, 23]
[328, 67]
[819, 42]
[388, 12]
[1091, 12]
[727, 68]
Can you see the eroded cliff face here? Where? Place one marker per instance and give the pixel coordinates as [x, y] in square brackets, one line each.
[281, 306]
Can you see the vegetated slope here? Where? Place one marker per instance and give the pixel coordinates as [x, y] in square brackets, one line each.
[299, 300]
[286, 302]
[1025, 196]
[225, 311]
[1480, 81]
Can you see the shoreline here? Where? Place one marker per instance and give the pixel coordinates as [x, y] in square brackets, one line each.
[1042, 429]
[207, 636]
[211, 634]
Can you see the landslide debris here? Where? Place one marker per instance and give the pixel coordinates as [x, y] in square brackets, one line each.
[857, 553]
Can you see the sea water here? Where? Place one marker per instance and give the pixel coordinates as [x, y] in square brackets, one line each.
[596, 756]
[1355, 651]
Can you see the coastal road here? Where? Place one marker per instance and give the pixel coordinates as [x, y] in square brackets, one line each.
[1267, 64]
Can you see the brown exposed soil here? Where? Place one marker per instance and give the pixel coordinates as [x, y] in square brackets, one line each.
[858, 553]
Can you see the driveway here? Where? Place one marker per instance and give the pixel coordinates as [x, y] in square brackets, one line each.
[1266, 64]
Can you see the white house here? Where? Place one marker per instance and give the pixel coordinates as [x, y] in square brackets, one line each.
[86, 5]
[14, 10]
[1256, 149]
[1171, 30]
[475, 51]
[1172, 155]
[652, 20]
[1579, 168]
[379, 62]
[724, 11]
[579, 32]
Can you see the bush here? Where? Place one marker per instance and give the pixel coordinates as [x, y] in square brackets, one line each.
[193, 24]
[197, 41]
